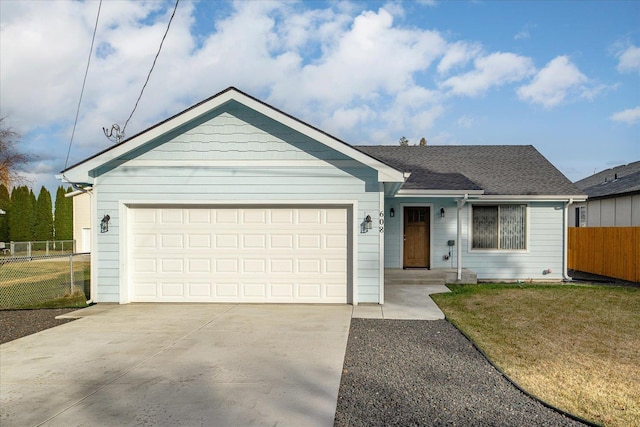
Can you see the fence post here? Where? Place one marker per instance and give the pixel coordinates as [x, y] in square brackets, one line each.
[47, 249]
[71, 271]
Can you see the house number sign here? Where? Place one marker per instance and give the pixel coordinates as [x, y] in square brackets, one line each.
[381, 221]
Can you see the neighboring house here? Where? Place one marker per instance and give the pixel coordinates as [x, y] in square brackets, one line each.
[613, 198]
[233, 200]
[81, 220]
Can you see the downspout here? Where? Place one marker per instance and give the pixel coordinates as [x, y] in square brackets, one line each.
[460, 203]
[565, 241]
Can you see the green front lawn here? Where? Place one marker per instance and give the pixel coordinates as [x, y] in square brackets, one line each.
[576, 347]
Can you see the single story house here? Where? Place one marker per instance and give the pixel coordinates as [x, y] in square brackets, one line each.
[233, 200]
[613, 198]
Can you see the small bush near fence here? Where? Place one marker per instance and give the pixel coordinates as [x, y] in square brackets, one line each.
[26, 282]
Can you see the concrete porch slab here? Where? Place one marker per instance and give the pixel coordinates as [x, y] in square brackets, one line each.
[404, 302]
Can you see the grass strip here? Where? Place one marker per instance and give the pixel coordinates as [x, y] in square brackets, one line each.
[575, 347]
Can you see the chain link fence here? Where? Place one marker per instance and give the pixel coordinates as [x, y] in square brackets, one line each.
[32, 249]
[29, 280]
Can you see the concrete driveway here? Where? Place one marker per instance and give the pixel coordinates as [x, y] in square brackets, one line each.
[179, 364]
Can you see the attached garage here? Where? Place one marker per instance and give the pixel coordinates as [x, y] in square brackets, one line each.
[248, 254]
[234, 201]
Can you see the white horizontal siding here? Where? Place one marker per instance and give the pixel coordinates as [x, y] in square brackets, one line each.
[237, 134]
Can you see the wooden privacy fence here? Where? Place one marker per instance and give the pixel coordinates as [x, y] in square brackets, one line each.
[607, 251]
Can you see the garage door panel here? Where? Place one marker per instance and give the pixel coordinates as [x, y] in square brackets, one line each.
[199, 241]
[254, 290]
[254, 241]
[309, 241]
[144, 241]
[282, 216]
[226, 266]
[238, 255]
[199, 216]
[172, 289]
[227, 289]
[282, 290]
[281, 241]
[199, 290]
[197, 265]
[310, 290]
[226, 241]
[171, 216]
[226, 216]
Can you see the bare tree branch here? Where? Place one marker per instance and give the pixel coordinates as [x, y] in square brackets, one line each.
[10, 158]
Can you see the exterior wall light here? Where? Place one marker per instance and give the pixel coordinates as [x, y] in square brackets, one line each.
[392, 213]
[442, 212]
[368, 223]
[104, 224]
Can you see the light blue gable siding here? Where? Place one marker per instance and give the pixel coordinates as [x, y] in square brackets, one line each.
[545, 241]
[236, 154]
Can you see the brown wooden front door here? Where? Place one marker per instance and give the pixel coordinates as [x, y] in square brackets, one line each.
[416, 237]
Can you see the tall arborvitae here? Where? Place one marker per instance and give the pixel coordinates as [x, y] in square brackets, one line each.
[5, 205]
[63, 217]
[44, 216]
[21, 215]
[34, 213]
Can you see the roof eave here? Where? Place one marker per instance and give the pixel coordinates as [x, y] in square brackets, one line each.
[534, 197]
[438, 193]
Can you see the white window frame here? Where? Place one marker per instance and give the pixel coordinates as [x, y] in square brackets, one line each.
[500, 250]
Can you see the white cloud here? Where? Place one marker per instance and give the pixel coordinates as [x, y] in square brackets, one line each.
[458, 54]
[492, 70]
[553, 83]
[348, 118]
[373, 58]
[629, 116]
[629, 60]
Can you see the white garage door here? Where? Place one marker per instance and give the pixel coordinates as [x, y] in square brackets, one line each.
[238, 254]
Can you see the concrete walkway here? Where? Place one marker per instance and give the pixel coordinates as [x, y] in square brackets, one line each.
[179, 364]
[404, 302]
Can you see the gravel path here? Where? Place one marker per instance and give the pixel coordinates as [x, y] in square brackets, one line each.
[16, 324]
[426, 373]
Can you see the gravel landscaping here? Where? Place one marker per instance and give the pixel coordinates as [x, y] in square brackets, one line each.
[16, 324]
[426, 373]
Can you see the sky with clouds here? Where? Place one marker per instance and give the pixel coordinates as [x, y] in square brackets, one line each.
[562, 76]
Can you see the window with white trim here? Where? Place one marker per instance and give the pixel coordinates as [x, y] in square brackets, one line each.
[502, 227]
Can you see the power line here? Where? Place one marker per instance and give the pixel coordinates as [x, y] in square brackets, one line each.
[120, 134]
[84, 81]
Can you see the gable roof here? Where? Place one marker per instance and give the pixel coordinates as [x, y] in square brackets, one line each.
[495, 169]
[81, 172]
[623, 179]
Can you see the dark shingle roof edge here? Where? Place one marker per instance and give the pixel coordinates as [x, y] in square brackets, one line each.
[499, 170]
[617, 181]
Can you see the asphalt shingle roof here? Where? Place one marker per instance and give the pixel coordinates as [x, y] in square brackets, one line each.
[496, 169]
[612, 182]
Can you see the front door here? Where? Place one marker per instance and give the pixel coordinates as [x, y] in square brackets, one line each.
[416, 237]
